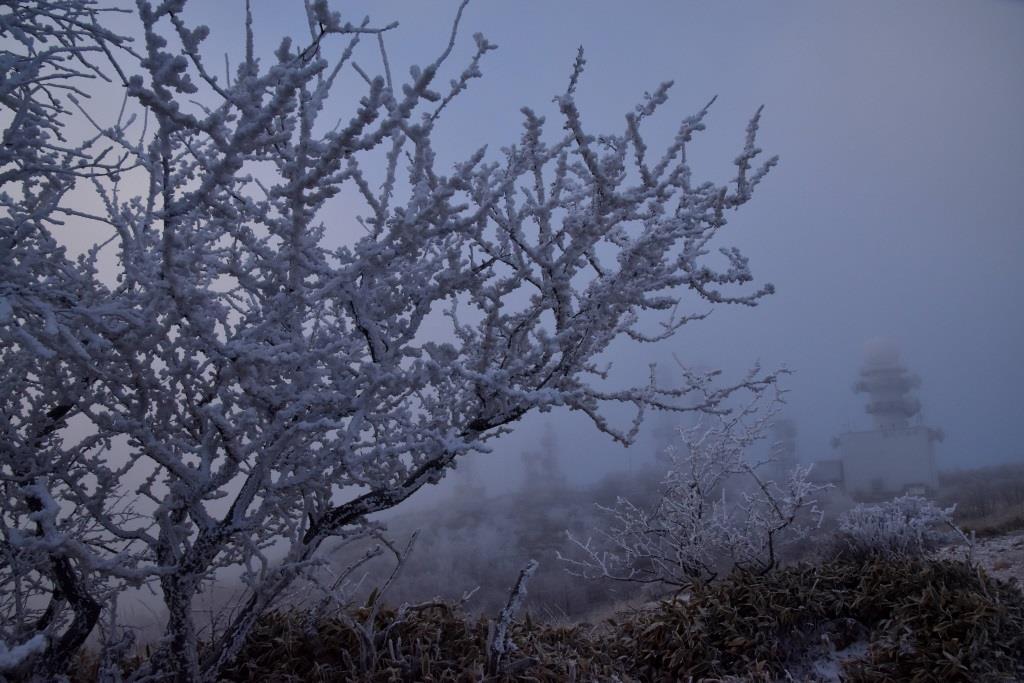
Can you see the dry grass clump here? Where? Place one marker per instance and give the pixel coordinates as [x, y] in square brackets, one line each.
[435, 644]
[940, 621]
[998, 523]
[891, 620]
[919, 620]
[989, 500]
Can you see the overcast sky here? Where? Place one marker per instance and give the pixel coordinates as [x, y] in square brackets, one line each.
[897, 209]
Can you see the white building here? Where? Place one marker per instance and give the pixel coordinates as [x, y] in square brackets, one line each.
[895, 457]
[888, 462]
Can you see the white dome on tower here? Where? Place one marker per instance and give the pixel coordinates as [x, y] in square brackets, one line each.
[881, 351]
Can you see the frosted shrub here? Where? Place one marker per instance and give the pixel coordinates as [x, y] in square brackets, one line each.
[717, 510]
[906, 527]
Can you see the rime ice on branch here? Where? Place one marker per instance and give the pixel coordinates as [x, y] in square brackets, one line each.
[65, 531]
[270, 388]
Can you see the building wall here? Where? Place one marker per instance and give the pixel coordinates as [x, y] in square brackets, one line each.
[888, 461]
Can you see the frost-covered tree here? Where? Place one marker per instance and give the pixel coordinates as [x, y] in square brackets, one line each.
[718, 509]
[61, 550]
[264, 389]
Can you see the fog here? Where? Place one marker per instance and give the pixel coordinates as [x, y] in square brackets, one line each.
[894, 220]
[895, 211]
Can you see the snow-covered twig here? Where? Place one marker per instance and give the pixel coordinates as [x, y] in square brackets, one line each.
[499, 644]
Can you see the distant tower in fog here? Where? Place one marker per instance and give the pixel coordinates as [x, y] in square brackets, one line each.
[887, 384]
[894, 457]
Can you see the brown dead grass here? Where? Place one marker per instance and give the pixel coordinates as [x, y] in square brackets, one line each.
[989, 501]
[922, 620]
[914, 620]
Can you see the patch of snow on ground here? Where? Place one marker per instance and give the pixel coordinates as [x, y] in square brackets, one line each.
[1001, 556]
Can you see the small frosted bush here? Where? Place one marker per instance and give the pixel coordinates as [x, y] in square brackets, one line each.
[717, 509]
[906, 527]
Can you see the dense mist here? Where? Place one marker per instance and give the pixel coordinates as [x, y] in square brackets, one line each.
[300, 340]
[893, 212]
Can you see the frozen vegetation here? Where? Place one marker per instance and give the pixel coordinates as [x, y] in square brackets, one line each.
[228, 383]
[267, 390]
